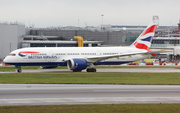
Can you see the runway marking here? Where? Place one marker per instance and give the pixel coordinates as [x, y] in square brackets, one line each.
[103, 100]
[141, 90]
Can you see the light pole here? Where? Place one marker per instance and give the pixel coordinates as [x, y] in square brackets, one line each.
[102, 23]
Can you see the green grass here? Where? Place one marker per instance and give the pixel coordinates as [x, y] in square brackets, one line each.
[12, 68]
[113, 108]
[92, 78]
[2, 68]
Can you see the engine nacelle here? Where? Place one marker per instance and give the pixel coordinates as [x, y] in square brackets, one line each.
[77, 64]
[48, 67]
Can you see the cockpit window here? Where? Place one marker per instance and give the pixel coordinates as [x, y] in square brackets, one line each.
[12, 54]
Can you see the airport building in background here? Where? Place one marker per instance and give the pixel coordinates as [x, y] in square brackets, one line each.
[10, 37]
[15, 35]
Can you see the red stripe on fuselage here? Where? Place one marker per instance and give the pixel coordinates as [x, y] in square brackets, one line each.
[28, 52]
[151, 29]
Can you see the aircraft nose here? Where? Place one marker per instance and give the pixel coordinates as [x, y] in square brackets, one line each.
[5, 60]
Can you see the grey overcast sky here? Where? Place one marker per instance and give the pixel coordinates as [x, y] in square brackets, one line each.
[45, 13]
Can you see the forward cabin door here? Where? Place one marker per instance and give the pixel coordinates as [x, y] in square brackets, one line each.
[99, 53]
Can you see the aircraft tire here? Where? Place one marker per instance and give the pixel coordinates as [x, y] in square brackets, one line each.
[88, 70]
[91, 70]
[19, 70]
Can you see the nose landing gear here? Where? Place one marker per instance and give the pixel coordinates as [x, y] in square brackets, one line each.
[19, 69]
[91, 69]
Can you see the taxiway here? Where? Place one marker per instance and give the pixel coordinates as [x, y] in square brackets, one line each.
[130, 70]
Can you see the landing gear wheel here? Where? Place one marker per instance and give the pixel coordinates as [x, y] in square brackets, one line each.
[88, 70]
[91, 70]
[19, 70]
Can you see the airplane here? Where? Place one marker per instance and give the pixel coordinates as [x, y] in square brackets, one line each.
[79, 58]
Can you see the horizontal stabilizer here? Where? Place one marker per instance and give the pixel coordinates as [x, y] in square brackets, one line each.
[157, 52]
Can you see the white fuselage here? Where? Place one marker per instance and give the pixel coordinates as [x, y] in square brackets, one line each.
[59, 55]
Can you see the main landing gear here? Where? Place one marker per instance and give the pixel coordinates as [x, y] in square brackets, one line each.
[19, 69]
[91, 69]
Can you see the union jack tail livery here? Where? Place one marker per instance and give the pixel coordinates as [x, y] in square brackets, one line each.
[145, 38]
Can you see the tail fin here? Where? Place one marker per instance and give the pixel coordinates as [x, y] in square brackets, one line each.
[145, 38]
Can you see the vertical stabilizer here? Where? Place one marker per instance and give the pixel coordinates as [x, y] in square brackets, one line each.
[145, 38]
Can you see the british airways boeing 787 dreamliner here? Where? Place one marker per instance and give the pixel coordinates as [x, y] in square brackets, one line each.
[79, 58]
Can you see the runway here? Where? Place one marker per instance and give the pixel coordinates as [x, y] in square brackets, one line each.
[64, 94]
[131, 70]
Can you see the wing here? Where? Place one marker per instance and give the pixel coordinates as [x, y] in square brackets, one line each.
[103, 57]
[93, 59]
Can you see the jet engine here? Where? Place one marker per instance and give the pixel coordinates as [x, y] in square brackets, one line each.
[77, 64]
